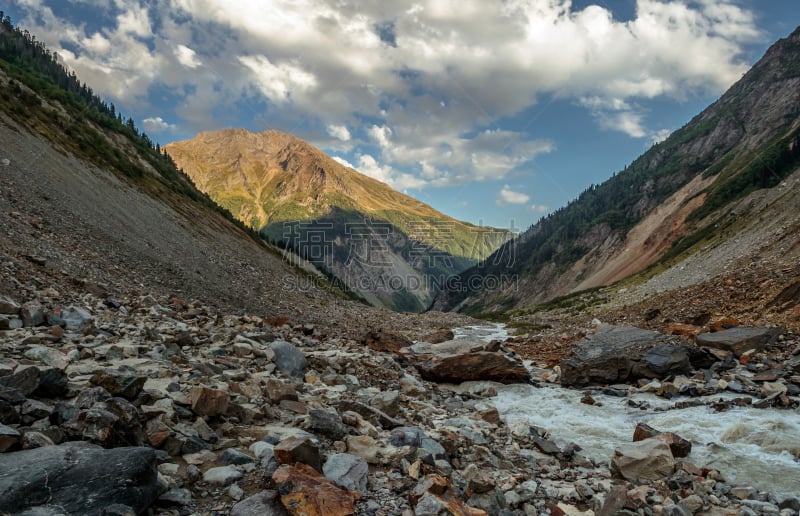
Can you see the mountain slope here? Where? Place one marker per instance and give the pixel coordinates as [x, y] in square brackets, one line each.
[683, 194]
[393, 249]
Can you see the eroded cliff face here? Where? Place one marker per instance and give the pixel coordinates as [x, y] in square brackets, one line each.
[695, 190]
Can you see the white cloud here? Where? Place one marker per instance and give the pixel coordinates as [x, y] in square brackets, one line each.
[429, 89]
[157, 125]
[539, 208]
[340, 132]
[187, 57]
[343, 162]
[278, 82]
[508, 196]
[369, 166]
[660, 135]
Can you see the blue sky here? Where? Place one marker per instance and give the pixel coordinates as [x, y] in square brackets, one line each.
[490, 111]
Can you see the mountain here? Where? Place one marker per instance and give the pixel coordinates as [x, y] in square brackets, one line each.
[722, 186]
[90, 203]
[390, 248]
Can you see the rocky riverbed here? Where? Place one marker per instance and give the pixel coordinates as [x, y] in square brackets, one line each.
[153, 404]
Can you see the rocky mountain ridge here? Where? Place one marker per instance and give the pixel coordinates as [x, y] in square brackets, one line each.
[390, 248]
[701, 188]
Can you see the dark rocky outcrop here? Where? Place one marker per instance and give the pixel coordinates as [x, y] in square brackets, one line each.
[621, 353]
[78, 478]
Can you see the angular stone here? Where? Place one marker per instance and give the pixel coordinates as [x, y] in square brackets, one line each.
[327, 423]
[233, 457]
[278, 391]
[650, 459]
[48, 356]
[479, 365]
[298, 449]
[348, 471]
[53, 383]
[32, 314]
[434, 495]
[209, 402]
[438, 336]
[34, 410]
[26, 381]
[157, 432]
[265, 503]
[387, 402]
[739, 339]
[389, 342]
[10, 440]
[35, 440]
[305, 492]
[77, 319]
[8, 306]
[413, 436]
[116, 383]
[78, 479]
[222, 476]
[371, 414]
[679, 446]
[665, 360]
[289, 359]
[10, 323]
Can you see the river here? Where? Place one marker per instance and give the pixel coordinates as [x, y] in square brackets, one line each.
[749, 446]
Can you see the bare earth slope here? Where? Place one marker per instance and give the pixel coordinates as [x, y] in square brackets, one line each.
[73, 227]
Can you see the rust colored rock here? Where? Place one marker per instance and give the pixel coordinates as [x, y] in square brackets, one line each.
[380, 341]
[157, 432]
[435, 495]
[306, 492]
[679, 446]
[479, 365]
[687, 330]
[298, 449]
[723, 324]
[490, 415]
[438, 336]
[209, 402]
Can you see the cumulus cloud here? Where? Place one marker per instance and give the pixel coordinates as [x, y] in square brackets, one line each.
[340, 132]
[157, 125]
[539, 208]
[425, 78]
[508, 196]
[187, 57]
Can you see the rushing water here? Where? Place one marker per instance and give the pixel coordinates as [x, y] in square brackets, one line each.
[757, 447]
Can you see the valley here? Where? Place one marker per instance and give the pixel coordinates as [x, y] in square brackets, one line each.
[190, 331]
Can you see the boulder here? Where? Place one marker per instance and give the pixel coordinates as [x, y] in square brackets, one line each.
[434, 495]
[390, 342]
[32, 314]
[265, 503]
[371, 414]
[306, 492]
[47, 356]
[8, 306]
[77, 478]
[740, 339]
[327, 423]
[209, 402]
[347, 471]
[77, 319]
[222, 476]
[298, 449]
[477, 365]
[438, 336]
[10, 439]
[121, 384]
[679, 446]
[650, 459]
[289, 359]
[10, 322]
[618, 354]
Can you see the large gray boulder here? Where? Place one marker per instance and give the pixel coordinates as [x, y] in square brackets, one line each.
[650, 459]
[740, 339]
[623, 353]
[78, 478]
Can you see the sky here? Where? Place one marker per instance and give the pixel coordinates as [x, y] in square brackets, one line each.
[496, 112]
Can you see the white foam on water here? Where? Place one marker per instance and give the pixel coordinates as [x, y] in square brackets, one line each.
[749, 446]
